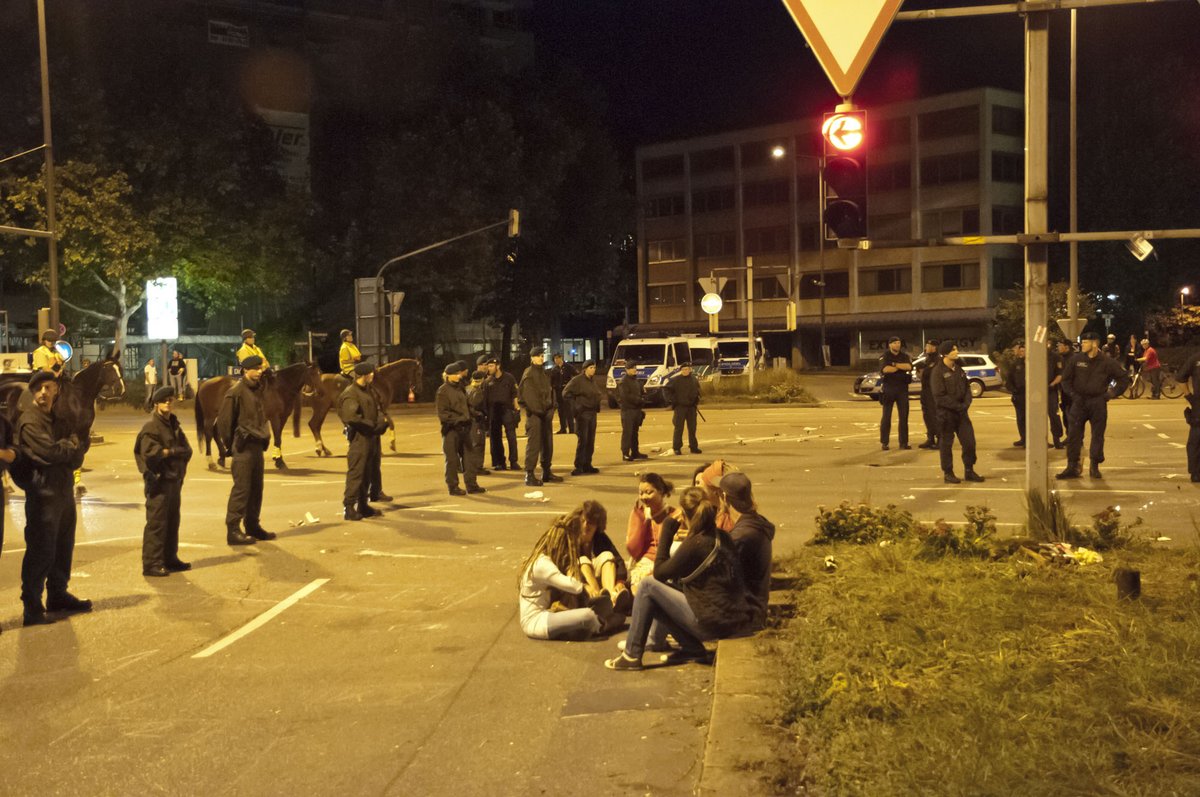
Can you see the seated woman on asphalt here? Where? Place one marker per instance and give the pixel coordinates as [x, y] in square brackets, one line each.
[645, 525]
[708, 478]
[552, 578]
[600, 563]
[752, 535]
[712, 604]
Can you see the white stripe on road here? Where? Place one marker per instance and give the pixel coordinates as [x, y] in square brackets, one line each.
[1022, 489]
[1164, 436]
[1148, 426]
[86, 542]
[262, 619]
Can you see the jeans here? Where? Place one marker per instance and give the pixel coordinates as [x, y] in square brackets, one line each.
[574, 624]
[659, 602]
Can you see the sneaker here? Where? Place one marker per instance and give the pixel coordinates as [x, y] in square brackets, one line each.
[678, 657]
[623, 662]
[664, 647]
[623, 602]
[950, 478]
[972, 476]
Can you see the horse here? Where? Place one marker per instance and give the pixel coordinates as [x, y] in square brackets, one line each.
[393, 379]
[281, 392]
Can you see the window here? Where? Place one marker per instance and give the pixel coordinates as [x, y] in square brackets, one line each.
[949, 276]
[885, 280]
[889, 176]
[891, 226]
[809, 241]
[956, 168]
[662, 168]
[1008, 121]
[1008, 167]
[712, 200]
[891, 131]
[730, 292]
[768, 240]
[712, 160]
[716, 244]
[949, 123]
[665, 251]
[952, 221]
[667, 294]
[664, 206]
[770, 288]
[682, 355]
[1008, 273]
[769, 192]
[1007, 220]
[837, 285]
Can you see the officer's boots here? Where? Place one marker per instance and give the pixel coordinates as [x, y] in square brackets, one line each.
[1072, 472]
[366, 510]
[352, 513]
[35, 614]
[1094, 471]
[235, 536]
[531, 480]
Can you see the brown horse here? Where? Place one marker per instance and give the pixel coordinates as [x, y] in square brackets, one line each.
[76, 398]
[281, 393]
[392, 380]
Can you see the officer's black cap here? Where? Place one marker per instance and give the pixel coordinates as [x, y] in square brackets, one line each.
[364, 368]
[456, 367]
[932, 342]
[1089, 336]
[38, 378]
[947, 347]
[537, 351]
[486, 359]
[253, 361]
[894, 339]
[478, 376]
[588, 363]
[163, 394]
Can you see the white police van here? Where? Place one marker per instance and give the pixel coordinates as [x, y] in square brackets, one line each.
[656, 361]
[733, 355]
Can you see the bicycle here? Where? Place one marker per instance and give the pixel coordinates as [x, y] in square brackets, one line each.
[1170, 388]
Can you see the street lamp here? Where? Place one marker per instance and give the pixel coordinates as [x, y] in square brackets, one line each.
[1184, 292]
[778, 151]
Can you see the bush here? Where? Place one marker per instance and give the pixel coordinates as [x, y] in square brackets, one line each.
[863, 524]
[1053, 524]
[777, 385]
[972, 539]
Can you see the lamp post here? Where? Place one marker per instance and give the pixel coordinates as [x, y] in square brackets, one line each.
[1184, 292]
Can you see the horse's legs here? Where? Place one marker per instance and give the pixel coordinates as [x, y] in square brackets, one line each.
[315, 424]
[277, 431]
[392, 430]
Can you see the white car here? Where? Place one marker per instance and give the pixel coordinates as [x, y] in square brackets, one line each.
[982, 374]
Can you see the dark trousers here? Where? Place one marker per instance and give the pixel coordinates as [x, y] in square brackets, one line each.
[160, 538]
[929, 416]
[539, 441]
[503, 424]
[1056, 425]
[362, 470]
[1154, 377]
[900, 400]
[585, 439]
[1193, 449]
[49, 544]
[245, 499]
[478, 442]
[455, 447]
[1086, 410]
[630, 421]
[684, 415]
[375, 469]
[951, 424]
[566, 415]
[1018, 403]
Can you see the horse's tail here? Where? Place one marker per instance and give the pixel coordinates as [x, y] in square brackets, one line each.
[201, 436]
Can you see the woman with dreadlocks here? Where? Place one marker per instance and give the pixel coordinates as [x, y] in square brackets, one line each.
[552, 577]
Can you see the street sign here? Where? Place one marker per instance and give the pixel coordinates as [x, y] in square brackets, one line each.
[1071, 327]
[711, 303]
[843, 34]
[64, 349]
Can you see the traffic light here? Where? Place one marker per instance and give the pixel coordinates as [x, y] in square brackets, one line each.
[514, 223]
[844, 177]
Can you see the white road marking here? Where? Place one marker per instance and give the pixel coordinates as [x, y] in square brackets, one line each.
[86, 542]
[1148, 426]
[262, 619]
[1021, 490]
[1164, 436]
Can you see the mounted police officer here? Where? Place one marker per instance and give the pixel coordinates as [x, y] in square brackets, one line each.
[348, 355]
[250, 349]
[683, 394]
[631, 398]
[1189, 375]
[928, 407]
[502, 399]
[585, 397]
[358, 407]
[162, 453]
[536, 397]
[455, 416]
[46, 357]
[1088, 379]
[952, 394]
[560, 375]
[896, 368]
[243, 429]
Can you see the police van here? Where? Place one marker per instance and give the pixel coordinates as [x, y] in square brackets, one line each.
[657, 360]
[733, 355]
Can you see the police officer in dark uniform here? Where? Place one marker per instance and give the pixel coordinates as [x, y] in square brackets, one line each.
[1086, 379]
[585, 397]
[478, 405]
[1189, 375]
[683, 394]
[8, 455]
[536, 396]
[928, 408]
[455, 416]
[162, 453]
[53, 452]
[896, 367]
[502, 398]
[1054, 368]
[358, 407]
[631, 399]
[952, 394]
[560, 375]
[1065, 350]
[242, 426]
[1014, 383]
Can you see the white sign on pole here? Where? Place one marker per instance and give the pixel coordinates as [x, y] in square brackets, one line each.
[162, 309]
[843, 34]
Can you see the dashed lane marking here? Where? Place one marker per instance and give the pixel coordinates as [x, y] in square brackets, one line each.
[262, 619]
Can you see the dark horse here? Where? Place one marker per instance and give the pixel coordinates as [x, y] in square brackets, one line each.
[392, 380]
[280, 392]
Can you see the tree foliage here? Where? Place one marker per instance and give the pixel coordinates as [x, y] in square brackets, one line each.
[1010, 313]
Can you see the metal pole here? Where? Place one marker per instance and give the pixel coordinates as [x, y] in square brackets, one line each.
[750, 318]
[1037, 78]
[1073, 287]
[821, 285]
[47, 138]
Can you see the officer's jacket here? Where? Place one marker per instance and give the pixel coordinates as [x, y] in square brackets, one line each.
[560, 377]
[156, 436]
[1189, 372]
[348, 357]
[54, 451]
[359, 409]
[249, 349]
[241, 418]
[1089, 377]
[895, 380]
[1014, 379]
[451, 402]
[47, 359]
[536, 393]
[683, 391]
[629, 394]
[927, 367]
[501, 389]
[584, 394]
[950, 389]
[477, 403]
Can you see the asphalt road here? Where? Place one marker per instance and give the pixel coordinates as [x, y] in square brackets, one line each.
[385, 657]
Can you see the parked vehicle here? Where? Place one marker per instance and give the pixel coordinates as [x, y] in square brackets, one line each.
[733, 355]
[656, 361]
[704, 357]
[982, 375]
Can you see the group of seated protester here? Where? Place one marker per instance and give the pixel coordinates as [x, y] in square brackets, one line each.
[697, 572]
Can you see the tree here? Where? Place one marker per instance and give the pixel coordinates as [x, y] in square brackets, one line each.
[1010, 313]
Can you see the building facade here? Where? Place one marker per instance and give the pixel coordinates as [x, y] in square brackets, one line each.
[949, 165]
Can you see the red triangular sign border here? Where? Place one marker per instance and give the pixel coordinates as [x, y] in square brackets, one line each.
[844, 82]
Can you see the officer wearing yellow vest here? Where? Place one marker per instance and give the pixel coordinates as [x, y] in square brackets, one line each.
[250, 350]
[46, 357]
[349, 355]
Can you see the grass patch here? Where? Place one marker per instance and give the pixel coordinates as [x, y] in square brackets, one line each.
[774, 385]
[905, 673]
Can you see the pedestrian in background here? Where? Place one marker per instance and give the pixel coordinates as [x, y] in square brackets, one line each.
[1189, 375]
[896, 367]
[1112, 348]
[1151, 368]
[631, 398]
[455, 417]
[162, 452]
[359, 410]
[1014, 382]
[928, 408]
[502, 398]
[585, 397]
[244, 431]
[952, 394]
[1132, 352]
[177, 374]
[683, 395]
[560, 375]
[8, 455]
[151, 383]
[1086, 378]
[535, 394]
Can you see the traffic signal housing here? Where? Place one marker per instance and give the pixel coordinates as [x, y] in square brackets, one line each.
[514, 223]
[844, 175]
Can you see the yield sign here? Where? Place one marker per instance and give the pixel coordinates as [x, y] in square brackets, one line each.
[843, 34]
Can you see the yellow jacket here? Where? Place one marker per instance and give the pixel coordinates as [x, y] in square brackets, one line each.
[45, 359]
[348, 357]
[248, 350]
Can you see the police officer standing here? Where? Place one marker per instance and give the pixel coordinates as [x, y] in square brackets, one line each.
[1065, 349]
[46, 357]
[1086, 380]
[536, 396]
[560, 375]
[952, 394]
[1054, 368]
[250, 349]
[1014, 383]
[53, 452]
[631, 399]
[585, 397]
[502, 398]
[896, 367]
[455, 417]
[358, 407]
[1189, 375]
[8, 455]
[683, 394]
[477, 404]
[243, 429]
[162, 453]
[928, 408]
[348, 355]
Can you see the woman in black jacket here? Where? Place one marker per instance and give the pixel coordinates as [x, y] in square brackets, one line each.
[712, 603]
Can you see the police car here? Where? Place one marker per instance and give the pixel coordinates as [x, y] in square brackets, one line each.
[982, 374]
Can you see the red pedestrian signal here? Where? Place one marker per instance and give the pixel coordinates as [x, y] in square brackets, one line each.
[844, 177]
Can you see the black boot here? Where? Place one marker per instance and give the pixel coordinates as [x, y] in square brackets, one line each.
[366, 510]
[351, 513]
[234, 536]
[1094, 471]
[532, 481]
[1072, 472]
[35, 614]
[66, 602]
[259, 533]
